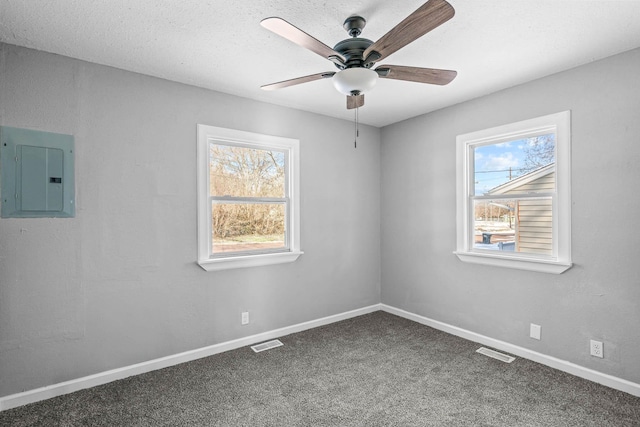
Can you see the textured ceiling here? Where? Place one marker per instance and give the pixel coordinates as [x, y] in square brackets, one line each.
[219, 45]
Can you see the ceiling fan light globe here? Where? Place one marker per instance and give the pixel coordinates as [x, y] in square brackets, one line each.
[352, 80]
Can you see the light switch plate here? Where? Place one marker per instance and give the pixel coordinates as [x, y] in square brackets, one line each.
[534, 331]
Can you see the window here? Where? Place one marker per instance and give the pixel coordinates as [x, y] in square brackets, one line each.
[514, 195]
[248, 204]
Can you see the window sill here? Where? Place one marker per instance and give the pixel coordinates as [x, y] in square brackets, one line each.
[217, 264]
[529, 264]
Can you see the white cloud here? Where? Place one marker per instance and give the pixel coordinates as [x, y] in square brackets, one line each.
[501, 162]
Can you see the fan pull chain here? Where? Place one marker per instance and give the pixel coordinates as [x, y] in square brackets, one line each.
[357, 131]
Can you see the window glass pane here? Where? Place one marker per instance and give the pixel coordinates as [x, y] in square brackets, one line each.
[246, 172]
[247, 227]
[518, 166]
[514, 225]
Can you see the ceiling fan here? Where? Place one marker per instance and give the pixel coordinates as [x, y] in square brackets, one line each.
[356, 56]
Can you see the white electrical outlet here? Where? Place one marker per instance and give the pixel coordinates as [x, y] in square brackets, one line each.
[245, 317]
[534, 331]
[597, 349]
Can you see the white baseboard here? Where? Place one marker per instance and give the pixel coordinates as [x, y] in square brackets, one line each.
[36, 395]
[561, 365]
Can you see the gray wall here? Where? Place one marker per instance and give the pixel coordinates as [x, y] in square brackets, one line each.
[118, 284]
[599, 298]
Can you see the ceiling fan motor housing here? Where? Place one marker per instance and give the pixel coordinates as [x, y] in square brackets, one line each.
[352, 50]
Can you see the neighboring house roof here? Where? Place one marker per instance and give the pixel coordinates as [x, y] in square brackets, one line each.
[523, 180]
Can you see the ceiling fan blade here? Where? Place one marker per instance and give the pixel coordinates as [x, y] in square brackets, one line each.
[299, 37]
[427, 17]
[297, 81]
[432, 76]
[355, 101]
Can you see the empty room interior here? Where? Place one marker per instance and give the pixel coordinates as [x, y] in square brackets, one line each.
[181, 181]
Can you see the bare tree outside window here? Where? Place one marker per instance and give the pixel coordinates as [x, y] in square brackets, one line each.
[538, 151]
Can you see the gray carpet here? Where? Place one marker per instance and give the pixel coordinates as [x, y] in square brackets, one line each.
[373, 370]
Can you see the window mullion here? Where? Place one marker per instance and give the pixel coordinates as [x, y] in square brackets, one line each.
[258, 200]
[530, 196]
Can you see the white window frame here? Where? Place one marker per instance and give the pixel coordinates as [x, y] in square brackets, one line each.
[560, 261]
[291, 147]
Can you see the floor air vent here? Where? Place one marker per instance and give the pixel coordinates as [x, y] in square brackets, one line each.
[266, 346]
[495, 354]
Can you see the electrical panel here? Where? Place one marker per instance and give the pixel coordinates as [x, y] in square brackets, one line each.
[37, 174]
